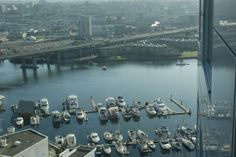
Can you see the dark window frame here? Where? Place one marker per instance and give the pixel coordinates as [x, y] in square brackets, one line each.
[207, 40]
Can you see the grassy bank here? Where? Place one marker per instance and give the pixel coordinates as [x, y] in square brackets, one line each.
[189, 54]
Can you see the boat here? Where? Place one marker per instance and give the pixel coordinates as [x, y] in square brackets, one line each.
[180, 62]
[187, 143]
[11, 129]
[165, 143]
[44, 105]
[66, 116]
[118, 136]
[121, 148]
[80, 114]
[72, 103]
[151, 110]
[185, 131]
[133, 136]
[110, 102]
[137, 104]
[33, 120]
[163, 131]
[104, 67]
[103, 113]
[159, 105]
[106, 149]
[126, 113]
[19, 121]
[175, 144]
[56, 117]
[113, 112]
[94, 137]
[135, 112]
[120, 101]
[71, 141]
[59, 140]
[151, 144]
[108, 136]
[1, 100]
[143, 147]
[142, 135]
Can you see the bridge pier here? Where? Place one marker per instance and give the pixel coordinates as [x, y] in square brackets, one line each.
[35, 74]
[24, 73]
[58, 58]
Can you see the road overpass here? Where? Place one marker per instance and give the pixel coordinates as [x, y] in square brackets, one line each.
[37, 50]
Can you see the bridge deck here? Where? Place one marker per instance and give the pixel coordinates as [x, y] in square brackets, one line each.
[40, 49]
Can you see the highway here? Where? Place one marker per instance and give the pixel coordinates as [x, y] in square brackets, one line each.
[63, 45]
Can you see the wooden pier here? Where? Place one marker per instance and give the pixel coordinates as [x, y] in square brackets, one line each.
[94, 104]
[180, 105]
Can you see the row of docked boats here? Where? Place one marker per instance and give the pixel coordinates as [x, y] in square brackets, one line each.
[167, 143]
[113, 106]
[64, 116]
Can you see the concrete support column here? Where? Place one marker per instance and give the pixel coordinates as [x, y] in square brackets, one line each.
[58, 58]
[24, 73]
[34, 62]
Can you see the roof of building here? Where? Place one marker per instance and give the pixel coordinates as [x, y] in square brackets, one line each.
[82, 151]
[25, 106]
[25, 138]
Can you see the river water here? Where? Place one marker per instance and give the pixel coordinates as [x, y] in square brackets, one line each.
[140, 81]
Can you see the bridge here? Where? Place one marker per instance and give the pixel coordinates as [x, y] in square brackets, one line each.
[47, 48]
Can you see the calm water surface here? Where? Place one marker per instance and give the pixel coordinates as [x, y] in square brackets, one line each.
[142, 81]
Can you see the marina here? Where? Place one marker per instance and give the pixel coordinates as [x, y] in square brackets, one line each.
[138, 98]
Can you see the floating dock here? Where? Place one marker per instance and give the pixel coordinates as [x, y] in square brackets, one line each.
[181, 105]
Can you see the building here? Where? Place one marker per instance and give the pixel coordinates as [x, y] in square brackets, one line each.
[85, 27]
[80, 151]
[216, 79]
[24, 143]
[25, 109]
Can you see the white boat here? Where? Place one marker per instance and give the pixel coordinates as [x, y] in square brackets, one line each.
[175, 144]
[71, 140]
[165, 143]
[163, 131]
[108, 136]
[11, 129]
[121, 148]
[103, 113]
[80, 114]
[126, 113]
[44, 105]
[94, 137]
[106, 149]
[133, 136]
[19, 121]
[151, 144]
[135, 112]
[143, 147]
[120, 101]
[110, 102]
[113, 112]
[59, 140]
[142, 135]
[1, 100]
[187, 143]
[159, 105]
[151, 110]
[118, 136]
[56, 117]
[66, 116]
[104, 67]
[73, 104]
[33, 120]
